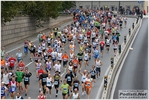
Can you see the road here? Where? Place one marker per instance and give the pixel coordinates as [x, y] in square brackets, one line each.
[134, 73]
[33, 88]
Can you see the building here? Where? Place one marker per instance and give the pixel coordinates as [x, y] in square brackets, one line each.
[112, 5]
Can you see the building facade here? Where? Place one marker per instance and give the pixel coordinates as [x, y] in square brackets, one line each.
[112, 5]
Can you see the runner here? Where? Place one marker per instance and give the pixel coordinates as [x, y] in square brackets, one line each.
[125, 21]
[80, 57]
[86, 58]
[102, 43]
[12, 87]
[48, 65]
[3, 67]
[57, 67]
[76, 83]
[3, 90]
[7, 60]
[19, 55]
[40, 71]
[93, 73]
[57, 79]
[19, 96]
[75, 94]
[115, 46]
[59, 56]
[26, 47]
[43, 78]
[65, 58]
[2, 52]
[75, 65]
[98, 67]
[21, 65]
[37, 67]
[108, 41]
[27, 76]
[69, 77]
[5, 78]
[83, 79]
[19, 78]
[49, 83]
[39, 37]
[71, 56]
[54, 55]
[88, 85]
[70, 67]
[96, 53]
[64, 88]
[32, 50]
[41, 96]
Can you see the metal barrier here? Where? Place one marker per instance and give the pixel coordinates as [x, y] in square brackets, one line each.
[116, 62]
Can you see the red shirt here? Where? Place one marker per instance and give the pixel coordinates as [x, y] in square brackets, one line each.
[89, 34]
[102, 43]
[40, 72]
[40, 97]
[50, 51]
[12, 61]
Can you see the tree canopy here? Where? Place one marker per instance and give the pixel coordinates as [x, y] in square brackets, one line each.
[38, 9]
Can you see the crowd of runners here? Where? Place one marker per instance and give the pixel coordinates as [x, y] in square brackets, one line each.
[92, 32]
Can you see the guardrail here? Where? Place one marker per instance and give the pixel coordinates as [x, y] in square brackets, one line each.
[110, 74]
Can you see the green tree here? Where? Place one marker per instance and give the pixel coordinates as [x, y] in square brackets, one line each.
[40, 10]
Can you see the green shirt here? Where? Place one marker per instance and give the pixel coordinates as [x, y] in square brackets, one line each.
[19, 76]
[101, 31]
[39, 36]
[65, 88]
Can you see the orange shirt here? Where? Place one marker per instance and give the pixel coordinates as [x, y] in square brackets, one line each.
[65, 57]
[75, 62]
[44, 37]
[88, 84]
[72, 47]
[2, 62]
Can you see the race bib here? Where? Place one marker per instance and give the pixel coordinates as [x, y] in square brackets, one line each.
[13, 88]
[74, 64]
[65, 89]
[88, 84]
[26, 79]
[56, 82]
[48, 83]
[76, 84]
[68, 78]
[2, 92]
[44, 80]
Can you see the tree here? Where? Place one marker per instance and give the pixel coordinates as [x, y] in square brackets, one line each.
[40, 10]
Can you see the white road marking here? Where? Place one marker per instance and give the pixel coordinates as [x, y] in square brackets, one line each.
[19, 47]
[28, 64]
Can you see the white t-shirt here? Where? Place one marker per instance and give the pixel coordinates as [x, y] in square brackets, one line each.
[59, 56]
[5, 78]
[57, 67]
[54, 54]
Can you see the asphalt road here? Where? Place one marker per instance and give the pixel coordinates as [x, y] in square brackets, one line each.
[34, 87]
[134, 73]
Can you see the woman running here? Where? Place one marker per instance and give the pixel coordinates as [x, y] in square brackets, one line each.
[98, 67]
[27, 76]
[75, 94]
[88, 85]
[86, 58]
[84, 74]
[49, 83]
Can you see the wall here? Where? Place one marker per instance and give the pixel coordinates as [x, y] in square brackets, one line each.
[22, 27]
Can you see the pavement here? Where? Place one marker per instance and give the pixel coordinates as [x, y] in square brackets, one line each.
[34, 86]
[134, 73]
